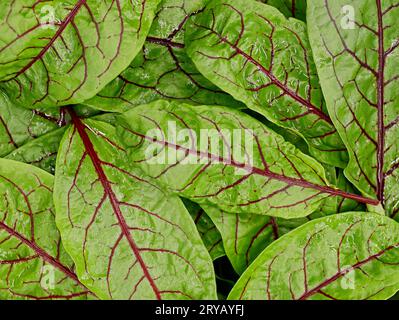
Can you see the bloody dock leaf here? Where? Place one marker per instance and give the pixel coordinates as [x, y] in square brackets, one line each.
[128, 239]
[218, 156]
[357, 57]
[64, 52]
[33, 262]
[253, 52]
[290, 8]
[353, 256]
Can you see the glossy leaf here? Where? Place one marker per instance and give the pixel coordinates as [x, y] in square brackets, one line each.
[33, 263]
[253, 52]
[19, 125]
[148, 246]
[245, 236]
[162, 70]
[357, 56]
[209, 233]
[352, 256]
[290, 8]
[55, 53]
[218, 156]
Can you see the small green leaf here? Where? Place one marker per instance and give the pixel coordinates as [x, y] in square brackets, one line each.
[290, 8]
[214, 155]
[352, 256]
[209, 233]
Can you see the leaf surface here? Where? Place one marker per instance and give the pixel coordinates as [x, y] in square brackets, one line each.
[353, 256]
[19, 125]
[218, 156]
[33, 263]
[357, 58]
[253, 52]
[55, 53]
[162, 70]
[290, 8]
[128, 239]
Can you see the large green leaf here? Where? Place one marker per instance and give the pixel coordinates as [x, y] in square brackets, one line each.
[19, 125]
[162, 70]
[209, 233]
[245, 235]
[214, 155]
[128, 239]
[253, 52]
[356, 48]
[343, 257]
[61, 52]
[33, 263]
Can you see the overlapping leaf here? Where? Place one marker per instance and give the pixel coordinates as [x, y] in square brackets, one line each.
[290, 8]
[209, 233]
[40, 152]
[352, 256]
[162, 70]
[128, 239]
[217, 156]
[245, 236]
[253, 52]
[19, 125]
[64, 52]
[356, 49]
[33, 263]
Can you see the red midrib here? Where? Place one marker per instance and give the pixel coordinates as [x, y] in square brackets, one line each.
[60, 30]
[81, 127]
[380, 105]
[345, 271]
[40, 252]
[263, 172]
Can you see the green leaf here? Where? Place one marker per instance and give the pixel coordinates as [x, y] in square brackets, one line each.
[352, 256]
[253, 52]
[290, 8]
[357, 57]
[245, 236]
[55, 53]
[162, 70]
[40, 152]
[19, 125]
[209, 233]
[148, 246]
[214, 155]
[33, 262]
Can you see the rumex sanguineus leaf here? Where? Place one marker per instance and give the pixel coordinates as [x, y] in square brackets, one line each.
[162, 70]
[218, 156]
[253, 52]
[355, 45]
[350, 256]
[33, 262]
[128, 239]
[290, 8]
[64, 52]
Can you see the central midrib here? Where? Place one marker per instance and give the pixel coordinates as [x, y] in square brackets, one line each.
[81, 127]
